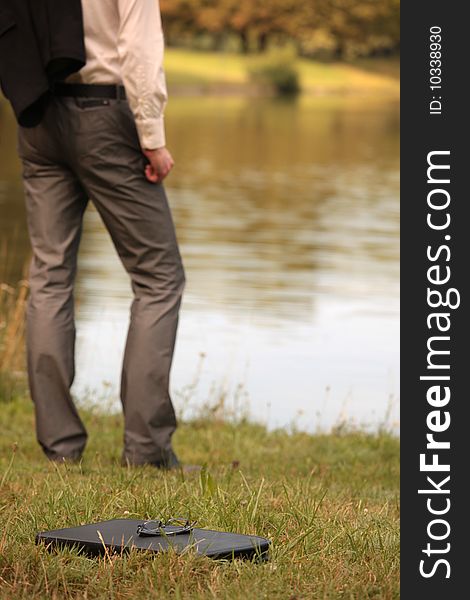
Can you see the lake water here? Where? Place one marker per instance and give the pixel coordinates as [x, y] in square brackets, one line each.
[287, 215]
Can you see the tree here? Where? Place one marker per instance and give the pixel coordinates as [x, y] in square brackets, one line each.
[340, 27]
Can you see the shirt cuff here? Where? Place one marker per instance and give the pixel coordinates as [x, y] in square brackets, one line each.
[151, 133]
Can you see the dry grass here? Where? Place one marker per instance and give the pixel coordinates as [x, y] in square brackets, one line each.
[12, 328]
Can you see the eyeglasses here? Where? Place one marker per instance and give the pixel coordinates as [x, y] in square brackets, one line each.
[174, 526]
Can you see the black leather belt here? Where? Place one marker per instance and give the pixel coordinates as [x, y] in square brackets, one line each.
[89, 90]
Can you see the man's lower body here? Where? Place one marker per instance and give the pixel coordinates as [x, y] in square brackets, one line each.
[90, 150]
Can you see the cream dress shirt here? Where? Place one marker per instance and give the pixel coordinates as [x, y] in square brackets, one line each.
[124, 44]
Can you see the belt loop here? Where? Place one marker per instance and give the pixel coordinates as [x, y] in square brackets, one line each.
[118, 93]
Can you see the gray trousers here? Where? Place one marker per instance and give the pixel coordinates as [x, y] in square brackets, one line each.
[83, 151]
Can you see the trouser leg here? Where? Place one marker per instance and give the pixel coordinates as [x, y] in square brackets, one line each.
[138, 218]
[55, 203]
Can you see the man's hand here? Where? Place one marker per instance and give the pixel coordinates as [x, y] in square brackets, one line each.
[161, 163]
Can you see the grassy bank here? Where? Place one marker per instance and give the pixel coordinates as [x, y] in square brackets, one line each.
[207, 72]
[190, 72]
[329, 504]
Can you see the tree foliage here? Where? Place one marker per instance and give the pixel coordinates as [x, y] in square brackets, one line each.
[339, 28]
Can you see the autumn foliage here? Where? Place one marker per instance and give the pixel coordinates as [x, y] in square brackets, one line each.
[330, 28]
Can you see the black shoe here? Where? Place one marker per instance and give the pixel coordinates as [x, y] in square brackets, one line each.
[73, 459]
[172, 464]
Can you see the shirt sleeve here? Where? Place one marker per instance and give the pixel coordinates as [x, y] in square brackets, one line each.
[141, 50]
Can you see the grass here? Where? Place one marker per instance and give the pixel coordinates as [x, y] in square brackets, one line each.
[12, 329]
[329, 503]
[213, 71]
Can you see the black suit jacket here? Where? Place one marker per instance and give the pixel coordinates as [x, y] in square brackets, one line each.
[41, 41]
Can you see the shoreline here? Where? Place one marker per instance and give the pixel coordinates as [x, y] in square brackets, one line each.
[201, 73]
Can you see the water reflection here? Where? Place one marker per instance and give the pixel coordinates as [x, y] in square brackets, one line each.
[287, 216]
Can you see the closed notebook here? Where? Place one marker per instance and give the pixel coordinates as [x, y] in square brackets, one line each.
[122, 534]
